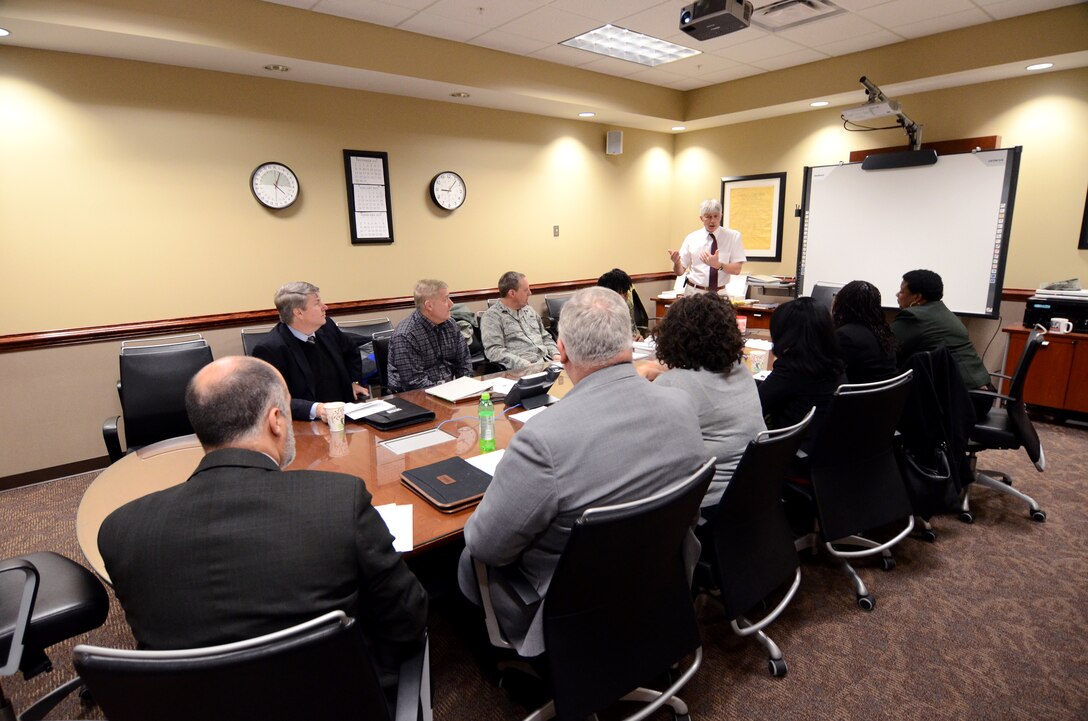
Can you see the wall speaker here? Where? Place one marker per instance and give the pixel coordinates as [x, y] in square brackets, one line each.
[613, 144]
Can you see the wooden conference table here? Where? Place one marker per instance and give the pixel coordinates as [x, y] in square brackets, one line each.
[356, 450]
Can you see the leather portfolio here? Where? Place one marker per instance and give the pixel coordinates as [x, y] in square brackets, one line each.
[404, 413]
[448, 485]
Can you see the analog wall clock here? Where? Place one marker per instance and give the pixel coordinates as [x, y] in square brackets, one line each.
[448, 190]
[274, 185]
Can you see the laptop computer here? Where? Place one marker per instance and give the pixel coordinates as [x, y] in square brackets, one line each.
[403, 413]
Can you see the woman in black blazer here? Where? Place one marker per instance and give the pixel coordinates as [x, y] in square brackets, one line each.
[866, 340]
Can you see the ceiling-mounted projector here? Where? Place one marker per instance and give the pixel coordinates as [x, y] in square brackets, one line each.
[871, 110]
[706, 19]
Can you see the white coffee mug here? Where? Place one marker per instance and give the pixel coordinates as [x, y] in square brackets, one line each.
[334, 414]
[1061, 325]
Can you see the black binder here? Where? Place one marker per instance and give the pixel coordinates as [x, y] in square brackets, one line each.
[449, 485]
[405, 414]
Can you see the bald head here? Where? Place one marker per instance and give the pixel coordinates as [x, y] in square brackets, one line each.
[229, 402]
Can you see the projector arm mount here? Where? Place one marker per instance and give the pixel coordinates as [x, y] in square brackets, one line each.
[876, 95]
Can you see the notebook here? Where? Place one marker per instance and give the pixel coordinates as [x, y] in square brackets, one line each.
[403, 413]
[449, 485]
[459, 389]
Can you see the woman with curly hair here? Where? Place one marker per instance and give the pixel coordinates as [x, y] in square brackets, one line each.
[866, 340]
[699, 350]
[808, 366]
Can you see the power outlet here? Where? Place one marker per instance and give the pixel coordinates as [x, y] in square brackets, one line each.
[555, 231]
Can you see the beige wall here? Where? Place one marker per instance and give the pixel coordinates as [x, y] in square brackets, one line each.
[124, 197]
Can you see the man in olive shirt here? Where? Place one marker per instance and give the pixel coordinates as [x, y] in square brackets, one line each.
[512, 332]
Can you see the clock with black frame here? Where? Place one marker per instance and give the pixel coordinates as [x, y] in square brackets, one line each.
[448, 190]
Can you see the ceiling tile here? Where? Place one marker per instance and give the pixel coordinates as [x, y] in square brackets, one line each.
[859, 43]
[551, 25]
[699, 65]
[788, 60]
[370, 11]
[1011, 8]
[762, 48]
[902, 12]
[607, 11]
[428, 24]
[564, 55]
[829, 30]
[855, 5]
[974, 16]
[741, 71]
[612, 66]
[509, 42]
[490, 13]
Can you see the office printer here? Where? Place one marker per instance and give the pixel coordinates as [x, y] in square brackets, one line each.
[1047, 304]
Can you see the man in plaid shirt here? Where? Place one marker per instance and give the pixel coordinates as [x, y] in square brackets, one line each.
[427, 347]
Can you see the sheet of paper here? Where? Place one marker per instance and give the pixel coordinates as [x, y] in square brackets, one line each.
[414, 442]
[757, 344]
[526, 415]
[355, 411]
[459, 389]
[487, 462]
[399, 520]
[502, 385]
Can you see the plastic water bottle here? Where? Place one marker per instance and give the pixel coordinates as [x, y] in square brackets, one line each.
[486, 411]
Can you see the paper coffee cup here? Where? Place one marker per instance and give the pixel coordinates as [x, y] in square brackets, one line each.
[334, 414]
[742, 323]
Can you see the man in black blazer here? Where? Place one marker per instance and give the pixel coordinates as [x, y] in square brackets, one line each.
[242, 548]
[319, 362]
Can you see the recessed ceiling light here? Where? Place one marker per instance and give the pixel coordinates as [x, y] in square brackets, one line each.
[459, 95]
[586, 114]
[678, 127]
[277, 68]
[624, 44]
[4, 32]
[819, 104]
[1040, 66]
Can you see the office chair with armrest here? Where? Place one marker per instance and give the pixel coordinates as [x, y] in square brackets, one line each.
[154, 373]
[365, 328]
[554, 305]
[618, 611]
[856, 484]
[319, 669]
[381, 359]
[480, 363]
[251, 337]
[1007, 427]
[45, 598]
[753, 543]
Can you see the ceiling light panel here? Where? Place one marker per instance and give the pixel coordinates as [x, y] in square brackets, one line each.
[624, 44]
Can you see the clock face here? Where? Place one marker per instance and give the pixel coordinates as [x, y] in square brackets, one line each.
[274, 185]
[448, 190]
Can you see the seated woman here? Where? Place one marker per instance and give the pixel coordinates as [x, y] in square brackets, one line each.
[620, 282]
[808, 366]
[925, 323]
[866, 341]
[699, 350]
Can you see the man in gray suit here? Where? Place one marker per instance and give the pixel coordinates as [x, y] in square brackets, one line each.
[615, 437]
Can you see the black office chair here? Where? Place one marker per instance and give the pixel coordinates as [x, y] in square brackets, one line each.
[45, 598]
[154, 374]
[315, 670]
[251, 337]
[1008, 427]
[618, 611]
[753, 545]
[480, 364]
[855, 480]
[554, 305]
[381, 358]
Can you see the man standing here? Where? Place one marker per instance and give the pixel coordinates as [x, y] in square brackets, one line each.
[513, 333]
[315, 358]
[709, 256]
[242, 548]
[427, 348]
[593, 448]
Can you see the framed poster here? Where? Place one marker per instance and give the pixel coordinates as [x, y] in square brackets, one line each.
[752, 204]
[369, 208]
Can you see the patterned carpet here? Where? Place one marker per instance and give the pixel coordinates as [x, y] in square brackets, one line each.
[989, 622]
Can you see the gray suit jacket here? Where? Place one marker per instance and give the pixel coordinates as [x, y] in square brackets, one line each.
[615, 437]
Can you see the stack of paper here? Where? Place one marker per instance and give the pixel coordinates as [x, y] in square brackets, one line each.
[399, 520]
[459, 389]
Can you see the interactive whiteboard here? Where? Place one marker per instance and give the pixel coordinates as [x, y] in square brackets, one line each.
[952, 218]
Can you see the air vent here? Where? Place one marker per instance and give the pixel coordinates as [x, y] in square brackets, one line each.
[791, 13]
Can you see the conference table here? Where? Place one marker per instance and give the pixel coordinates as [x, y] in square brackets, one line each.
[356, 450]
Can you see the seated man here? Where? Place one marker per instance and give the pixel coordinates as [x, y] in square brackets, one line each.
[598, 446]
[513, 333]
[427, 347]
[311, 353]
[243, 549]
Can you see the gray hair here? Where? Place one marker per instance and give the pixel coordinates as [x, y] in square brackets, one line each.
[595, 327]
[293, 296]
[509, 281]
[233, 407]
[710, 206]
[427, 288]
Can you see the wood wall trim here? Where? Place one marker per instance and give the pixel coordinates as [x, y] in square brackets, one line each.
[943, 147]
[122, 331]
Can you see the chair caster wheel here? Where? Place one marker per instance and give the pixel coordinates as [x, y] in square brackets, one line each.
[967, 517]
[866, 603]
[1038, 516]
[929, 536]
[887, 563]
[777, 667]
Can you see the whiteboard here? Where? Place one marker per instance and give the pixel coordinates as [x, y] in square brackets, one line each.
[952, 218]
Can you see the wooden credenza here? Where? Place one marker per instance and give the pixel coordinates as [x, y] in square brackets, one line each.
[1059, 373]
[759, 315]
